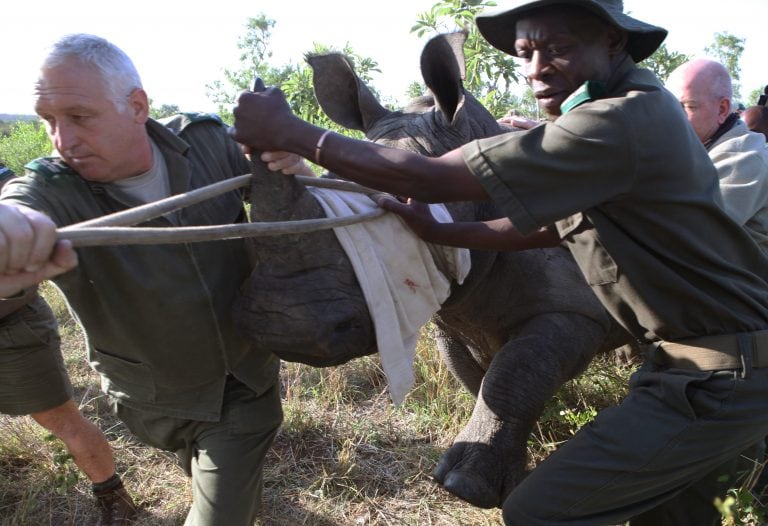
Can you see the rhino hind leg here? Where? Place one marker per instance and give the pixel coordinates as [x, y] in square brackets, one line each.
[489, 456]
[459, 360]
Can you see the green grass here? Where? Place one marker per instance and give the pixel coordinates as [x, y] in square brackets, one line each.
[344, 456]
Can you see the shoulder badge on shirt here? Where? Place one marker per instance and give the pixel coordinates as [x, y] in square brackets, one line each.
[49, 166]
[176, 123]
[590, 90]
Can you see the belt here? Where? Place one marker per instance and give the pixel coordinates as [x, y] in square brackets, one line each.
[711, 353]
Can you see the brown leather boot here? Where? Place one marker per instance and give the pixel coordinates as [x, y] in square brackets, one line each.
[116, 507]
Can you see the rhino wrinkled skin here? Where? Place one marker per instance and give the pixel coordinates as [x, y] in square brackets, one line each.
[520, 325]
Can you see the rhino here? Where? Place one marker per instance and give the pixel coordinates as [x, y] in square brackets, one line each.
[519, 326]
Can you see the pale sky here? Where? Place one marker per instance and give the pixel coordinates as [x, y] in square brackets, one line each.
[180, 46]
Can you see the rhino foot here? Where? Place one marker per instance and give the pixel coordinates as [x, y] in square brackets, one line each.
[477, 474]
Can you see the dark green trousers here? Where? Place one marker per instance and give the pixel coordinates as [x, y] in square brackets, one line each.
[661, 457]
[225, 459]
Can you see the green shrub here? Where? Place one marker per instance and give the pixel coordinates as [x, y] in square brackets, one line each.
[26, 141]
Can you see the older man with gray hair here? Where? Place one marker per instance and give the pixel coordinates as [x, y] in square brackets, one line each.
[703, 87]
[158, 318]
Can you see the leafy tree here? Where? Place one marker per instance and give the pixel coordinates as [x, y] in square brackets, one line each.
[755, 95]
[294, 80]
[490, 74]
[727, 49]
[253, 45]
[415, 89]
[663, 62]
[165, 110]
[26, 141]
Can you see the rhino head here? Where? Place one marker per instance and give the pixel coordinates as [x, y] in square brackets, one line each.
[446, 118]
[302, 300]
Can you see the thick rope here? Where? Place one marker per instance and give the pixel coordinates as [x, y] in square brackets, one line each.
[115, 229]
[115, 235]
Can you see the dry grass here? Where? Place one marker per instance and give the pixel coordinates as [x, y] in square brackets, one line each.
[344, 456]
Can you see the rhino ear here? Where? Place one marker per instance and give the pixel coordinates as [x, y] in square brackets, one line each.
[442, 67]
[341, 94]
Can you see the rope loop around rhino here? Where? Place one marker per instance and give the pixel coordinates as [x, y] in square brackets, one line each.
[117, 229]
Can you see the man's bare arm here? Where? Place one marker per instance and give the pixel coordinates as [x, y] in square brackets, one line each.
[498, 234]
[263, 121]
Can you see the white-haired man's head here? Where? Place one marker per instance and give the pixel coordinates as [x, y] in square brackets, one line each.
[115, 67]
[703, 86]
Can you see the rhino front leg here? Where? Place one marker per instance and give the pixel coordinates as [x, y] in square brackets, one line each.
[488, 457]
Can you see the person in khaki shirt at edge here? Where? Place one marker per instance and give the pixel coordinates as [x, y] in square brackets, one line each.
[620, 177]
[34, 381]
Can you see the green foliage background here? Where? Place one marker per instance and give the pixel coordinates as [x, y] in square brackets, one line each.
[491, 76]
[25, 141]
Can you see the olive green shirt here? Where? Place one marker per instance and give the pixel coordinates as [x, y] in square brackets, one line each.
[157, 317]
[631, 190]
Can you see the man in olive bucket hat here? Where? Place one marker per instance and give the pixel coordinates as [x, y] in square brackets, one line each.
[654, 459]
[619, 175]
[498, 27]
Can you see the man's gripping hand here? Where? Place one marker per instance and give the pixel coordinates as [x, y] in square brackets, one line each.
[415, 214]
[259, 119]
[29, 249]
[286, 163]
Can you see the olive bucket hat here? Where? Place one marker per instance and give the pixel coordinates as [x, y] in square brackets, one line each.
[498, 26]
